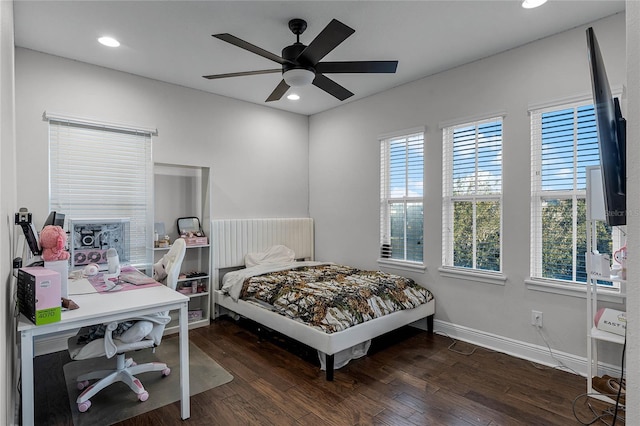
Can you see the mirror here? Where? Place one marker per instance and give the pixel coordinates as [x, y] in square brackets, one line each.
[190, 225]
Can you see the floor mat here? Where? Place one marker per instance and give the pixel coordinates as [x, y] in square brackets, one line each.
[117, 402]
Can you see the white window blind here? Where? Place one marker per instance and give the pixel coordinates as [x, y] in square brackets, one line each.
[563, 142]
[472, 195]
[401, 197]
[102, 172]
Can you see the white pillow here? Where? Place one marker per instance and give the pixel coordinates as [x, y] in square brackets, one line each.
[93, 349]
[274, 254]
[136, 332]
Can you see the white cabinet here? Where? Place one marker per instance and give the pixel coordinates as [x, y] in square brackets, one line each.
[597, 276]
[185, 191]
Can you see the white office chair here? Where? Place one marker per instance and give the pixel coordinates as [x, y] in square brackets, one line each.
[173, 261]
[146, 332]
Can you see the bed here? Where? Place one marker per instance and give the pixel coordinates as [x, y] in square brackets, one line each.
[337, 340]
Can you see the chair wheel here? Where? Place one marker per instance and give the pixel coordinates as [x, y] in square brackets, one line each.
[166, 372]
[83, 384]
[143, 396]
[84, 406]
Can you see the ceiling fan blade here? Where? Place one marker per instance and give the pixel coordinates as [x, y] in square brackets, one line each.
[250, 47]
[357, 67]
[331, 87]
[331, 36]
[277, 93]
[240, 74]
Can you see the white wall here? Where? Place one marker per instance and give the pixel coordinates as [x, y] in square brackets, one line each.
[8, 363]
[344, 177]
[258, 155]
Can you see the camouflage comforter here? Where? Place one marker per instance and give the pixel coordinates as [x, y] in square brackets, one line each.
[333, 297]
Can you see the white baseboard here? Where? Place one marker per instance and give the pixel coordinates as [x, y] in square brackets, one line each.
[531, 352]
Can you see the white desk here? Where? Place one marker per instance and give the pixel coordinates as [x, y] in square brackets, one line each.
[99, 308]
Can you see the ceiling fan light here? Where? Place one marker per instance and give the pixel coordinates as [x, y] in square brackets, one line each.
[530, 4]
[298, 77]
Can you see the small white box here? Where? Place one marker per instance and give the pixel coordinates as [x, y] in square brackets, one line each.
[600, 265]
[62, 267]
[611, 320]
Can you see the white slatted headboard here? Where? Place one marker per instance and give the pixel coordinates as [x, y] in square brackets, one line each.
[231, 239]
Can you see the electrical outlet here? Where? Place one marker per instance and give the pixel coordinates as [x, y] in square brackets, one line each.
[536, 318]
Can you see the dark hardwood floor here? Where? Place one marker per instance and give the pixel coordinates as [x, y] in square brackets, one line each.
[408, 378]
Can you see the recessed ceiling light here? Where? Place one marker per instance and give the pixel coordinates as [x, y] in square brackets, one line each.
[530, 4]
[109, 41]
[293, 97]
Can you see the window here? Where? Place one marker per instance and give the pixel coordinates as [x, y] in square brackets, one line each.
[563, 142]
[401, 197]
[472, 195]
[98, 171]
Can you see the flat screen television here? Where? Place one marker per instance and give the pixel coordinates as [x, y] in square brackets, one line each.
[612, 133]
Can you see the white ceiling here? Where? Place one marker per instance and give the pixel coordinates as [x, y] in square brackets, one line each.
[171, 40]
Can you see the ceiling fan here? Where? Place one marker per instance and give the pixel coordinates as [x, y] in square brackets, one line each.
[301, 64]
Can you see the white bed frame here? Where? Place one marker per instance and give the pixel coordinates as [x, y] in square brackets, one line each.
[233, 238]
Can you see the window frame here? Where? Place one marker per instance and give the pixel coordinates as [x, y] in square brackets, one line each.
[536, 281]
[386, 199]
[448, 269]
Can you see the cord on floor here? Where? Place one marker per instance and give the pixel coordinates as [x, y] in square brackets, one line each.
[611, 411]
[537, 366]
[559, 363]
[602, 416]
[454, 342]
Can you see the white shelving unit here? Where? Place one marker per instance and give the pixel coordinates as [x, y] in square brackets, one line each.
[595, 335]
[185, 191]
[196, 259]
[596, 214]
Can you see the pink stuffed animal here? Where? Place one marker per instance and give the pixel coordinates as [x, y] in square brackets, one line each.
[52, 240]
